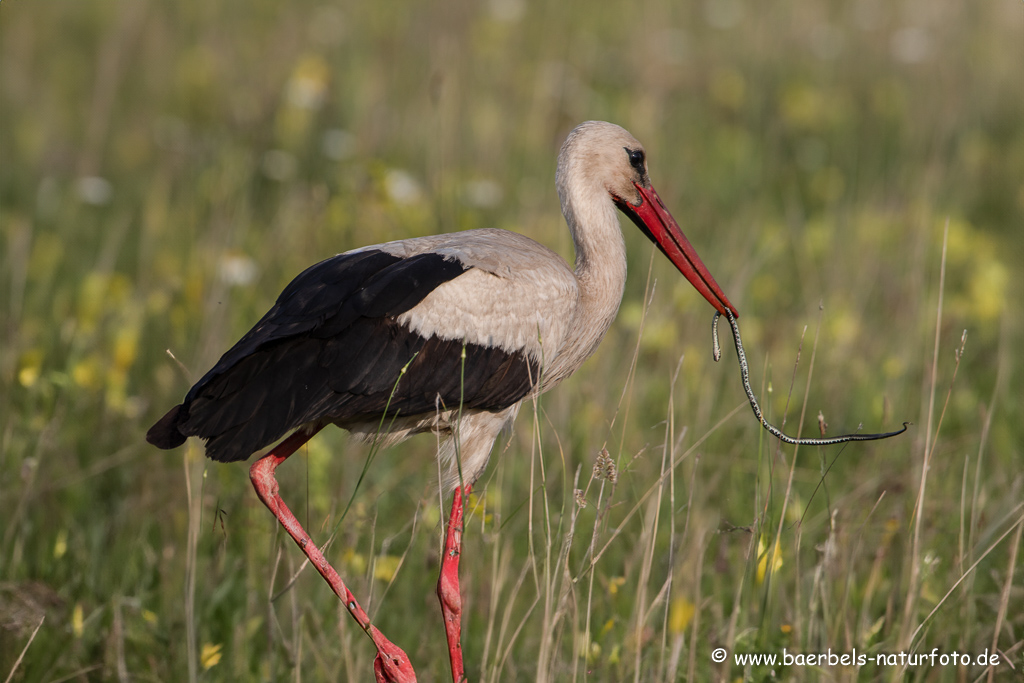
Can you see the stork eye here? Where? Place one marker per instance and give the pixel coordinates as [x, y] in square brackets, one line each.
[636, 159]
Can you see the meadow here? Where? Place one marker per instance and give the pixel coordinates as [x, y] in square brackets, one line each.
[851, 172]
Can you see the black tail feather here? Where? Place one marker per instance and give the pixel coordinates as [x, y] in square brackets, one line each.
[165, 433]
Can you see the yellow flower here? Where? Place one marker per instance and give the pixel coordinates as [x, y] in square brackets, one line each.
[680, 614]
[87, 373]
[77, 621]
[31, 366]
[478, 506]
[762, 560]
[210, 656]
[61, 545]
[386, 567]
[355, 561]
[126, 344]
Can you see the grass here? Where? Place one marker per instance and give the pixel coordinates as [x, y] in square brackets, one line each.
[849, 171]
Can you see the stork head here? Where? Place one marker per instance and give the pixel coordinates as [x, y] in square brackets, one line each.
[604, 157]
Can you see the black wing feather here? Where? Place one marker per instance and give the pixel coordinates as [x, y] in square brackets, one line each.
[331, 349]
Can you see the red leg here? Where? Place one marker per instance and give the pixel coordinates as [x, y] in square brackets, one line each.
[391, 664]
[448, 585]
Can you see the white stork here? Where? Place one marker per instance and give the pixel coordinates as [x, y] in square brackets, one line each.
[446, 334]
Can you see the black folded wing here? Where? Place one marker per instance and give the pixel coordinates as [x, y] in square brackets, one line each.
[332, 350]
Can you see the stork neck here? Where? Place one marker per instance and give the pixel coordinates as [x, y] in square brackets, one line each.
[600, 254]
[600, 270]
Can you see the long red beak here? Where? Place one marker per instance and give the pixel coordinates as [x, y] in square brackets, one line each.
[657, 223]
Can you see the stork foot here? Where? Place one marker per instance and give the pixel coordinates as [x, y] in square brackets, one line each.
[391, 665]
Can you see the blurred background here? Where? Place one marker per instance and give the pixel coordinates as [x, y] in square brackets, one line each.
[851, 171]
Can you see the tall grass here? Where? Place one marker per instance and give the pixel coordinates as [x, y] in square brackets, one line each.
[850, 171]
